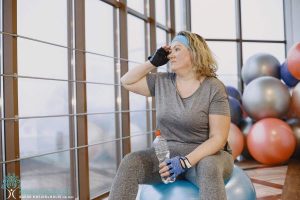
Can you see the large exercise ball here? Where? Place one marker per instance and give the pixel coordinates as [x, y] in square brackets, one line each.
[293, 59]
[233, 92]
[295, 101]
[271, 141]
[238, 187]
[266, 97]
[236, 113]
[295, 125]
[235, 140]
[258, 65]
[287, 77]
[245, 127]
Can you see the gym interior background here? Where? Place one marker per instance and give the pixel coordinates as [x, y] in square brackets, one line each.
[66, 122]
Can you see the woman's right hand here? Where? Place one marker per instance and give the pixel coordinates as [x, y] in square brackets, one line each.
[160, 57]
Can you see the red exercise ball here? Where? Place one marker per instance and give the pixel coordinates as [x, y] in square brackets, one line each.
[271, 141]
[293, 60]
[235, 140]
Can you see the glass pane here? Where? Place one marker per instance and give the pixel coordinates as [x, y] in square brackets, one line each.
[161, 40]
[36, 19]
[100, 97]
[161, 12]
[51, 61]
[137, 5]
[136, 52]
[180, 15]
[226, 56]
[103, 156]
[99, 27]
[214, 18]
[262, 19]
[275, 49]
[47, 176]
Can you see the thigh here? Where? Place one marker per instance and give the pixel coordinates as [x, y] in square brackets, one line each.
[147, 164]
[221, 162]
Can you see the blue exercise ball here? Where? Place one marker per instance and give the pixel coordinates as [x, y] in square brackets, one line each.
[259, 65]
[236, 113]
[238, 187]
[287, 77]
[233, 92]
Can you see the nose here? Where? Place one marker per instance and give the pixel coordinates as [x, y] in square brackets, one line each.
[171, 55]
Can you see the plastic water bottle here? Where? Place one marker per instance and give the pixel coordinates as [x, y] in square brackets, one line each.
[162, 152]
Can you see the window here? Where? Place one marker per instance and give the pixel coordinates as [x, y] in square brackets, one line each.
[262, 19]
[214, 19]
[100, 97]
[51, 173]
[136, 53]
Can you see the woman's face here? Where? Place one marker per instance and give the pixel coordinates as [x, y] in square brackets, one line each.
[180, 57]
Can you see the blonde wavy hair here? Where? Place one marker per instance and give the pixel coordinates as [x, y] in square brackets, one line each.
[204, 63]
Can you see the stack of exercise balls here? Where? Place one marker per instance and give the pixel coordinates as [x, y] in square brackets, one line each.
[265, 118]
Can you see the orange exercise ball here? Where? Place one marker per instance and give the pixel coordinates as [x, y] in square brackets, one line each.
[235, 140]
[293, 59]
[271, 141]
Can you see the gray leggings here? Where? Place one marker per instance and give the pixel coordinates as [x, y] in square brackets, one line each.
[141, 167]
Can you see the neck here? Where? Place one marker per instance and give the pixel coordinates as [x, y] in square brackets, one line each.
[186, 76]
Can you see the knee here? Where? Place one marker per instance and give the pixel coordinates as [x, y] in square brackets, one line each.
[208, 168]
[130, 161]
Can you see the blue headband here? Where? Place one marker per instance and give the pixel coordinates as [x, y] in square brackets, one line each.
[182, 39]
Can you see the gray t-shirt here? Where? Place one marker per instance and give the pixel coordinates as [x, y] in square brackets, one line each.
[185, 120]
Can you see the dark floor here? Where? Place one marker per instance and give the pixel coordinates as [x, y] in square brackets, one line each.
[274, 182]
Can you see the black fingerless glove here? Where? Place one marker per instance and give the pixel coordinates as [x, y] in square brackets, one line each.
[159, 58]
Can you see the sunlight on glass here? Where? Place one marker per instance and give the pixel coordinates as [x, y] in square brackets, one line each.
[161, 40]
[160, 11]
[36, 19]
[40, 97]
[214, 18]
[137, 5]
[262, 19]
[136, 52]
[180, 15]
[100, 97]
[226, 56]
[277, 50]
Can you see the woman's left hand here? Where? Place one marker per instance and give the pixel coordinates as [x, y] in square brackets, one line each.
[171, 167]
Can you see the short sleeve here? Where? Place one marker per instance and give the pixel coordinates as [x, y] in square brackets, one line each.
[219, 100]
[151, 78]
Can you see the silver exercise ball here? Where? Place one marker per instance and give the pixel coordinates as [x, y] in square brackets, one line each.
[266, 97]
[259, 65]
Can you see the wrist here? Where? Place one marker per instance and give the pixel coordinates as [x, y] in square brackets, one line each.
[185, 163]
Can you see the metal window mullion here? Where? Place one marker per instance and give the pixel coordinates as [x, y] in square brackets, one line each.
[125, 124]
[239, 44]
[152, 30]
[11, 128]
[172, 18]
[188, 15]
[285, 26]
[71, 99]
[117, 92]
[148, 106]
[81, 102]
[2, 192]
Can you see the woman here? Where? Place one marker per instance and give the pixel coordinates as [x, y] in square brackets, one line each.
[192, 113]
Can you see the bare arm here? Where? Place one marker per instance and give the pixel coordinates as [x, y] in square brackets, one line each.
[135, 79]
[219, 129]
